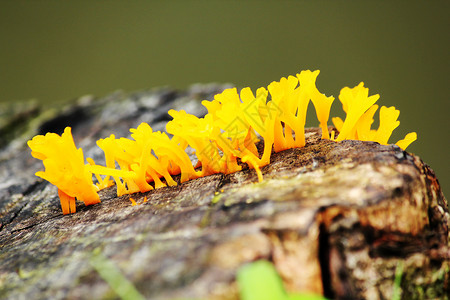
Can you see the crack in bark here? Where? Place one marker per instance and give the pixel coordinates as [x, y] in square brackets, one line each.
[324, 261]
[15, 214]
[35, 224]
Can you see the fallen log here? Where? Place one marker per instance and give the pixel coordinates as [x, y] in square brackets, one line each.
[341, 219]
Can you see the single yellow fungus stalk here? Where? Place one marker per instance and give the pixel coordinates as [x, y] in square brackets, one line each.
[409, 138]
[229, 132]
[133, 202]
[322, 103]
[65, 168]
[102, 182]
[292, 105]
[363, 130]
[338, 123]
[332, 135]
[388, 122]
[251, 161]
[68, 205]
[97, 169]
[261, 117]
[355, 102]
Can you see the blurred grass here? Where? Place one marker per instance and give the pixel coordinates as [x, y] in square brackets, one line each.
[259, 280]
[114, 277]
[58, 50]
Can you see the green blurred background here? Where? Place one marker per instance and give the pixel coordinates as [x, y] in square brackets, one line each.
[58, 50]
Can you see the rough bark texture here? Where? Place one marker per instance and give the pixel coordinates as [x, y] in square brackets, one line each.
[335, 218]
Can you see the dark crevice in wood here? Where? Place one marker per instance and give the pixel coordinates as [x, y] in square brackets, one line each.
[15, 214]
[324, 260]
[15, 231]
[387, 244]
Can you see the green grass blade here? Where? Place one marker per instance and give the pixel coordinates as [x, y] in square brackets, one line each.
[112, 275]
[260, 281]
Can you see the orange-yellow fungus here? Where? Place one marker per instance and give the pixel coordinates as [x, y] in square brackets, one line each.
[114, 153]
[409, 138]
[65, 168]
[67, 203]
[233, 131]
[196, 132]
[322, 103]
[251, 161]
[363, 130]
[355, 102]
[102, 182]
[261, 118]
[388, 122]
[338, 123]
[227, 134]
[292, 104]
[133, 202]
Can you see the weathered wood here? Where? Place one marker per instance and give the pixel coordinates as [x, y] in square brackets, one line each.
[334, 218]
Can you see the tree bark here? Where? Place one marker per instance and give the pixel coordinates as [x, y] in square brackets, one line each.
[338, 219]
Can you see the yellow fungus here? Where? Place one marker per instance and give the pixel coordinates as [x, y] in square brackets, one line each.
[388, 122]
[338, 123]
[102, 182]
[409, 138]
[363, 130]
[261, 117]
[321, 103]
[196, 132]
[224, 137]
[65, 168]
[292, 104]
[133, 202]
[355, 102]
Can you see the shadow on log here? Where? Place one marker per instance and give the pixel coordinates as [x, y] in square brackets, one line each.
[336, 219]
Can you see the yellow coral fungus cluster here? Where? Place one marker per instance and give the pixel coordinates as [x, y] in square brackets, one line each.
[227, 134]
[65, 168]
[360, 109]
